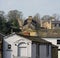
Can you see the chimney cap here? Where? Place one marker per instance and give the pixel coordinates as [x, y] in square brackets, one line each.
[30, 17]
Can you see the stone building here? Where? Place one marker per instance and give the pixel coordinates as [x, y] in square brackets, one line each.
[55, 24]
[50, 24]
[19, 46]
[46, 24]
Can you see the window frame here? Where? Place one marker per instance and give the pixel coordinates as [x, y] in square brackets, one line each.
[9, 46]
[59, 25]
[47, 50]
[58, 41]
[55, 25]
[37, 50]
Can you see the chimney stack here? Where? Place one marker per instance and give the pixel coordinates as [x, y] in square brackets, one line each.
[29, 19]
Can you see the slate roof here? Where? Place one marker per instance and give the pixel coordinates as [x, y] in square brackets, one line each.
[39, 40]
[36, 39]
[25, 22]
[2, 35]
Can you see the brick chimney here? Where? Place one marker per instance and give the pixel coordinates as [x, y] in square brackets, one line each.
[20, 22]
[29, 19]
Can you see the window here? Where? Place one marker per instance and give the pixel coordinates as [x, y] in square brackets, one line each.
[22, 52]
[9, 46]
[58, 41]
[55, 25]
[22, 49]
[59, 25]
[47, 50]
[37, 50]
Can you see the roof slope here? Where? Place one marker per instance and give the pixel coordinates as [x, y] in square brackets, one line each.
[36, 39]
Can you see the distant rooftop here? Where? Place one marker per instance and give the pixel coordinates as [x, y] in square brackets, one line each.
[55, 21]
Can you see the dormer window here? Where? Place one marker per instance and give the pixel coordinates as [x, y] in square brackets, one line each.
[9, 46]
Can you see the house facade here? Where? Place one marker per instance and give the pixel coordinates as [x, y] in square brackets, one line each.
[55, 24]
[50, 24]
[46, 23]
[55, 41]
[17, 46]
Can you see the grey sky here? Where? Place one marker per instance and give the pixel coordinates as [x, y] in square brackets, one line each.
[31, 7]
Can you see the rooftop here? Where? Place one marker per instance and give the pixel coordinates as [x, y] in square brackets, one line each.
[36, 39]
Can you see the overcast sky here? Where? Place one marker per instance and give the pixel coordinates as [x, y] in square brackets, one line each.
[31, 7]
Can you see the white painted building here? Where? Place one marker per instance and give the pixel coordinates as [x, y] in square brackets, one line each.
[55, 41]
[17, 46]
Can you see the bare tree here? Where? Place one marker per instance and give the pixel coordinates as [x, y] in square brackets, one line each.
[56, 16]
[36, 18]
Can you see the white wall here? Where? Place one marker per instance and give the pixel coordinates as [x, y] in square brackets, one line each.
[54, 41]
[33, 50]
[58, 54]
[42, 51]
[14, 40]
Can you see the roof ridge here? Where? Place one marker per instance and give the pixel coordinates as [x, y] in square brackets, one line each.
[10, 35]
[2, 34]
